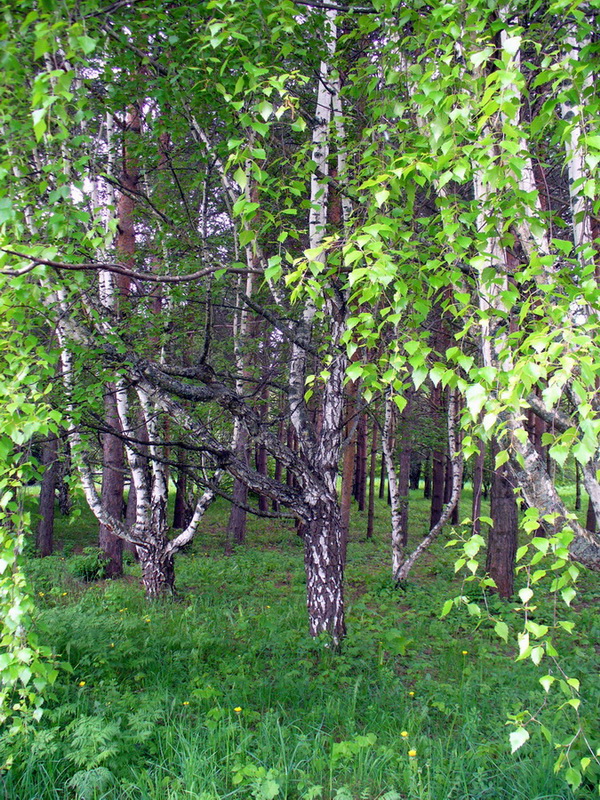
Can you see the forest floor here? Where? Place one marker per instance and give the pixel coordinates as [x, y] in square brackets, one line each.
[223, 694]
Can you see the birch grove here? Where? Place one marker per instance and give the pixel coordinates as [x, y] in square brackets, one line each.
[349, 178]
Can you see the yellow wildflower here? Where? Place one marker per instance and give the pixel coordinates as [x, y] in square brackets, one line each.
[237, 709]
[412, 753]
[186, 702]
[464, 652]
[82, 683]
[411, 694]
[404, 734]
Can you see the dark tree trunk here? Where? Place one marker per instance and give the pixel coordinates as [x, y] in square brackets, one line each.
[292, 444]
[478, 486]
[179, 515]
[448, 488]
[403, 486]
[372, 473]
[323, 561]
[45, 531]
[438, 485]
[278, 466]
[415, 472]
[348, 463]
[502, 541]
[577, 486]
[65, 501]
[112, 488]
[360, 474]
[590, 521]
[261, 468]
[427, 478]
[158, 570]
[382, 476]
[236, 526]
[261, 450]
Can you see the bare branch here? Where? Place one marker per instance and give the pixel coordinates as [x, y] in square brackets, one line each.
[119, 269]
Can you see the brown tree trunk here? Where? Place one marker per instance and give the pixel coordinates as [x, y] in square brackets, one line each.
[382, 476]
[278, 466]
[438, 484]
[427, 478]
[113, 461]
[45, 531]
[360, 478]
[403, 487]
[502, 541]
[348, 462]
[180, 519]
[590, 520]
[65, 501]
[415, 472]
[372, 473]
[478, 487]
[261, 450]
[236, 526]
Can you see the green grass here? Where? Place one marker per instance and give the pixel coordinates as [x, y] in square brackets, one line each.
[156, 718]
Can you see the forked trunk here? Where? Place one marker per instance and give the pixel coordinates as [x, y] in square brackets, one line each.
[323, 561]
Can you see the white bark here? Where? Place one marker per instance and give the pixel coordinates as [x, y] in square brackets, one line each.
[388, 454]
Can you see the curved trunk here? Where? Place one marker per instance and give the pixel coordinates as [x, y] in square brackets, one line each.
[324, 564]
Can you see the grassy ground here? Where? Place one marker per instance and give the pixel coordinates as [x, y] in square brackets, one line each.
[224, 695]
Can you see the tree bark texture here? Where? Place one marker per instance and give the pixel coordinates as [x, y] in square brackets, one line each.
[478, 487]
[45, 531]
[502, 538]
[324, 564]
[236, 525]
[372, 477]
[113, 462]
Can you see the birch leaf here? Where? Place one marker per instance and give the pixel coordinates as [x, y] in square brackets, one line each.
[518, 739]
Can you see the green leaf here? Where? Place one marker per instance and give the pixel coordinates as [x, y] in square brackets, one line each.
[240, 178]
[501, 629]
[518, 739]
[87, 44]
[476, 396]
[447, 608]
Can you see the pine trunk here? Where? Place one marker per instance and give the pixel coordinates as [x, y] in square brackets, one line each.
[236, 526]
[427, 478]
[360, 481]
[437, 486]
[502, 541]
[112, 488]
[372, 472]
